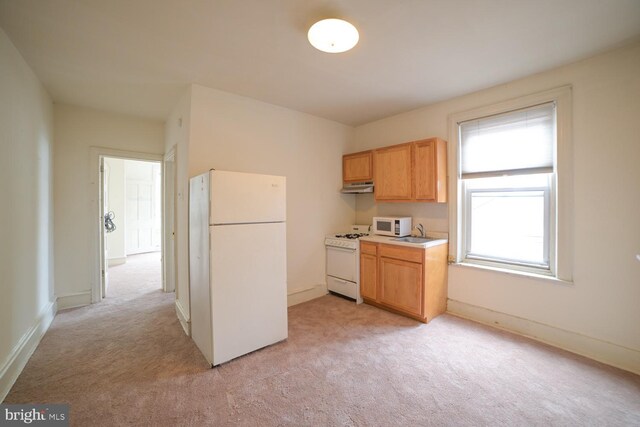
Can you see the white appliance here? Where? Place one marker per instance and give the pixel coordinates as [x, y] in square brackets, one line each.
[343, 262]
[392, 226]
[237, 263]
[357, 187]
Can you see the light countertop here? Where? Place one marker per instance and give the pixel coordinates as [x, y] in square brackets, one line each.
[439, 240]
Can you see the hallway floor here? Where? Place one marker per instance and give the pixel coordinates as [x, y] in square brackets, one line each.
[141, 274]
[126, 361]
[114, 359]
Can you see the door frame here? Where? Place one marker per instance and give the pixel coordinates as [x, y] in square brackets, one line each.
[96, 154]
[169, 266]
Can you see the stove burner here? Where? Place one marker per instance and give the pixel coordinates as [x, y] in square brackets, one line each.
[351, 235]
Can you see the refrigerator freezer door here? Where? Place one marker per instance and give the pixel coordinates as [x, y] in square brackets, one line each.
[199, 289]
[248, 288]
[240, 198]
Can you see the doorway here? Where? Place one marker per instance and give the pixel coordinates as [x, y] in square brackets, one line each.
[132, 215]
[141, 237]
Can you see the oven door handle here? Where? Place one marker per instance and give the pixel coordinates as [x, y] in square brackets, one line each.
[344, 282]
[341, 249]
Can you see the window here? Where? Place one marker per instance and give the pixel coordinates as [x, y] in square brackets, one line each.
[507, 186]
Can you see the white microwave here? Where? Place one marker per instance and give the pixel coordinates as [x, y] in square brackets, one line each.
[392, 226]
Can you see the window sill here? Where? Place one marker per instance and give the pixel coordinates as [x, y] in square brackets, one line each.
[545, 277]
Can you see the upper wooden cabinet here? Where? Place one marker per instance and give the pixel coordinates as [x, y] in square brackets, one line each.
[357, 167]
[411, 172]
[430, 170]
[393, 173]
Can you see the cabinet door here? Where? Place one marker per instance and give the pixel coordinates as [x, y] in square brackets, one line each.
[368, 276]
[393, 173]
[401, 285]
[430, 170]
[424, 156]
[357, 167]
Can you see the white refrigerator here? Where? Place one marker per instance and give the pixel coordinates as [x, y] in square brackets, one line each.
[237, 263]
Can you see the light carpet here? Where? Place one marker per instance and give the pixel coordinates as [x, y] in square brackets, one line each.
[126, 361]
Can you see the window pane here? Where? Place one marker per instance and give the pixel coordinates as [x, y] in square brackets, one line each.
[508, 225]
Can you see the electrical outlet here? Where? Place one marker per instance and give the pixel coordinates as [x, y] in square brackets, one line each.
[451, 259]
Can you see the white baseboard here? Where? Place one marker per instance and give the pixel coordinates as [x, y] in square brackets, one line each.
[20, 354]
[307, 294]
[593, 348]
[112, 262]
[183, 318]
[78, 299]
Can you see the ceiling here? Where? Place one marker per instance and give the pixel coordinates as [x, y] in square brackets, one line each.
[138, 56]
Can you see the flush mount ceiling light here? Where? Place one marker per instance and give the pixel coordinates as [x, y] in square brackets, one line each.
[333, 35]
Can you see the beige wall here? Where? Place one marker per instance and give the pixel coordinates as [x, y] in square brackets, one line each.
[235, 133]
[231, 132]
[77, 130]
[26, 226]
[602, 303]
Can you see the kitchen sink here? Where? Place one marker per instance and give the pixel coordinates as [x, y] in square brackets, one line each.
[411, 239]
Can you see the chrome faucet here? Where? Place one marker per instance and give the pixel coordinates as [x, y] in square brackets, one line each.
[420, 228]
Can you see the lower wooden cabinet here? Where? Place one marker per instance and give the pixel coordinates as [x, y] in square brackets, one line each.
[401, 285]
[368, 276]
[409, 281]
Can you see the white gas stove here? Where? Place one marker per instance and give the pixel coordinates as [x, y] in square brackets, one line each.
[343, 262]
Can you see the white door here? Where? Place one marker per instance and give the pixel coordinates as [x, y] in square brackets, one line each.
[142, 206]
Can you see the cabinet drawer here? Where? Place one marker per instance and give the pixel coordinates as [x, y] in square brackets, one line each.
[403, 253]
[368, 248]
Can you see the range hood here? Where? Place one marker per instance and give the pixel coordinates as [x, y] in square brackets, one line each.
[358, 187]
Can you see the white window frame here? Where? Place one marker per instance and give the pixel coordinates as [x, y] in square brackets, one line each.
[561, 202]
[549, 230]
